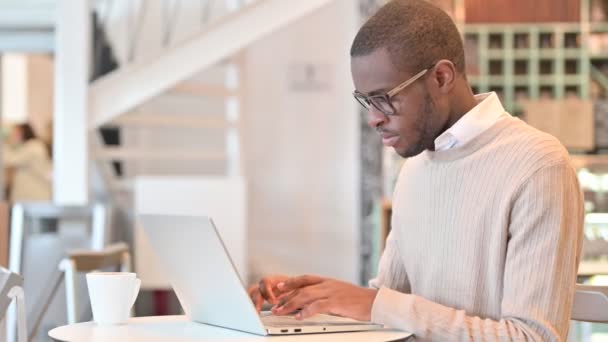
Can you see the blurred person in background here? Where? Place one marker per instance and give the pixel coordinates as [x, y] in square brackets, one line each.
[27, 159]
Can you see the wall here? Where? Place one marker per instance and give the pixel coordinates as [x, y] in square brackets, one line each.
[40, 93]
[522, 11]
[300, 141]
[301, 147]
[27, 85]
[14, 88]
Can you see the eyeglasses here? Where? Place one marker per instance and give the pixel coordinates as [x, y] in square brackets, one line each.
[383, 102]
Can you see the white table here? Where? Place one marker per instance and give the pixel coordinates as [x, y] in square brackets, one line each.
[179, 329]
[588, 268]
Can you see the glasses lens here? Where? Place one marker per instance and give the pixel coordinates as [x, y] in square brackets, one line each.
[362, 101]
[383, 104]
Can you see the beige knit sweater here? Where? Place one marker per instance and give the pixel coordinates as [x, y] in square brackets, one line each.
[485, 240]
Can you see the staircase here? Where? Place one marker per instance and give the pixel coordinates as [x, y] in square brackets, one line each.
[176, 102]
[175, 97]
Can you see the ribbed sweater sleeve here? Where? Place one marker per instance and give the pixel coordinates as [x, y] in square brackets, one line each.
[540, 265]
[391, 272]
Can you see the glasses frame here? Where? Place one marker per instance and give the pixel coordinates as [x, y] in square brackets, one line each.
[368, 100]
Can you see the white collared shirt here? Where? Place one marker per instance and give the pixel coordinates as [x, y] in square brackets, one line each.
[486, 113]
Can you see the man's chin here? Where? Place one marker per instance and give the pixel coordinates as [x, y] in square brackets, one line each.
[409, 152]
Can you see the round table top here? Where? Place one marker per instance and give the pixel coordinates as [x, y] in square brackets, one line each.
[180, 329]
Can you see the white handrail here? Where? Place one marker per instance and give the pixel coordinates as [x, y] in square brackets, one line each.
[129, 86]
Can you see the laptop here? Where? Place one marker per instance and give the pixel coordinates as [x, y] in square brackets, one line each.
[192, 255]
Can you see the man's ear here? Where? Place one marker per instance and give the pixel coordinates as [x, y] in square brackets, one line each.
[444, 74]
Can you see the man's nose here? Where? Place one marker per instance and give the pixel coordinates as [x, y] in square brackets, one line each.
[375, 117]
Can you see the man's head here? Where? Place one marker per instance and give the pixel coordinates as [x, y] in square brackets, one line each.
[404, 38]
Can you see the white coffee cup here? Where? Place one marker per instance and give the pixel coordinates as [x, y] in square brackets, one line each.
[112, 295]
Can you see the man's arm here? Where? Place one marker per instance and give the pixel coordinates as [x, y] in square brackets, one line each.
[543, 252]
[540, 272]
[391, 272]
[314, 294]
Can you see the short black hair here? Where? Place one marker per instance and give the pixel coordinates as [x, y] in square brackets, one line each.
[415, 33]
[26, 131]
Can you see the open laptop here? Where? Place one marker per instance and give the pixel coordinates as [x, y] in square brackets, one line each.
[198, 266]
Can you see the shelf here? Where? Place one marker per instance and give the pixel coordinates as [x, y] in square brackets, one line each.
[547, 27]
[521, 67]
[571, 66]
[572, 53]
[547, 60]
[496, 80]
[598, 27]
[496, 68]
[588, 268]
[521, 80]
[572, 80]
[496, 53]
[547, 92]
[572, 40]
[496, 41]
[546, 40]
[597, 162]
[547, 53]
[546, 67]
[546, 79]
[521, 96]
[521, 41]
[522, 53]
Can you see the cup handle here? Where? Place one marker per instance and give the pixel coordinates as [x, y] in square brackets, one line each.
[135, 291]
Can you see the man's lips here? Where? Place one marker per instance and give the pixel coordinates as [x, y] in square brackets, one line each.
[389, 139]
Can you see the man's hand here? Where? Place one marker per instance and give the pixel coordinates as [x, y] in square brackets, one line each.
[266, 290]
[315, 295]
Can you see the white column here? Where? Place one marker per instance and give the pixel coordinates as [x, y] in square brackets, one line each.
[14, 87]
[2, 185]
[71, 145]
[232, 5]
[232, 107]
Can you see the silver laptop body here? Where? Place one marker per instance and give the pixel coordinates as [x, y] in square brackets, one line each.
[192, 255]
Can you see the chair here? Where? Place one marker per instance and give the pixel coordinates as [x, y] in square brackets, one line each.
[98, 215]
[11, 287]
[116, 255]
[26, 222]
[590, 304]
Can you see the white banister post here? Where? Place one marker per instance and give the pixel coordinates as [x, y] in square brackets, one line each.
[232, 107]
[70, 132]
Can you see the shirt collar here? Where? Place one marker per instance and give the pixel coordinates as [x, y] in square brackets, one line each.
[481, 117]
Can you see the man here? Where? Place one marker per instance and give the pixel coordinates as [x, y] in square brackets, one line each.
[487, 212]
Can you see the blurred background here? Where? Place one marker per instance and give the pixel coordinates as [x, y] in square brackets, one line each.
[242, 110]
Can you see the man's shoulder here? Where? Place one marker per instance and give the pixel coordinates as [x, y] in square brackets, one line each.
[525, 143]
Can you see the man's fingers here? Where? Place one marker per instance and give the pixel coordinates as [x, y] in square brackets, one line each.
[265, 289]
[285, 298]
[321, 306]
[298, 282]
[256, 297]
[269, 290]
[297, 300]
[283, 295]
[258, 302]
[251, 292]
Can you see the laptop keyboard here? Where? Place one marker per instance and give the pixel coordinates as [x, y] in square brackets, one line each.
[317, 320]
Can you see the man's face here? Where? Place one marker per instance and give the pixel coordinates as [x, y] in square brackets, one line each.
[414, 126]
